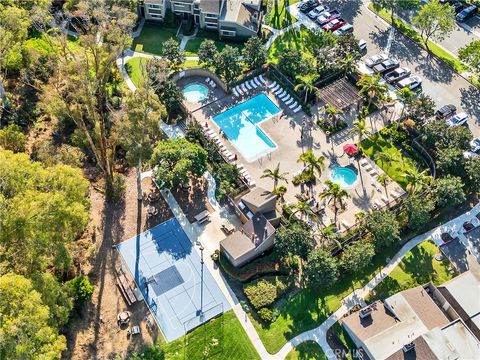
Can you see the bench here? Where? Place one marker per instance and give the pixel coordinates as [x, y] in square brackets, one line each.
[125, 288]
[202, 217]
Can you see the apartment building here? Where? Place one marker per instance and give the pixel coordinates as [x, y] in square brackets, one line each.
[230, 18]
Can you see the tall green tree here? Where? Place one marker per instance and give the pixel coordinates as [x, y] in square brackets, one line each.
[314, 165]
[357, 256]
[435, 21]
[394, 6]
[176, 160]
[140, 128]
[79, 90]
[470, 55]
[372, 88]
[332, 114]
[207, 53]
[294, 242]
[25, 322]
[359, 128]
[416, 179]
[307, 84]
[276, 175]
[448, 191]
[228, 64]
[418, 209]
[173, 54]
[303, 208]
[321, 269]
[336, 196]
[384, 227]
[254, 53]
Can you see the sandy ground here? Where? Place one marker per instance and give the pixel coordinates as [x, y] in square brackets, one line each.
[96, 334]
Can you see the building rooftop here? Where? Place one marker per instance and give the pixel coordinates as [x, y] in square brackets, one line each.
[259, 227]
[421, 351]
[258, 197]
[241, 12]
[210, 6]
[238, 244]
[465, 288]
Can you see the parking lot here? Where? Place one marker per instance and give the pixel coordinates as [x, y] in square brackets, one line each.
[439, 80]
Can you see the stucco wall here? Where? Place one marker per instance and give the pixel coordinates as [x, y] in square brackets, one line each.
[200, 72]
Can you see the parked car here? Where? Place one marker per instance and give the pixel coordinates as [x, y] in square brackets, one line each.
[457, 119]
[375, 59]
[362, 45]
[363, 69]
[317, 11]
[347, 28]
[411, 82]
[327, 16]
[458, 6]
[397, 75]
[386, 65]
[308, 5]
[446, 111]
[466, 13]
[334, 24]
[475, 145]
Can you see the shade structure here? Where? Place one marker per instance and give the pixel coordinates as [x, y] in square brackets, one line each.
[350, 149]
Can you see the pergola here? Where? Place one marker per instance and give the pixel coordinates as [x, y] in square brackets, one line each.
[341, 94]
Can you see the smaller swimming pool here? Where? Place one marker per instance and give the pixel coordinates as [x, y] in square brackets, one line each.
[343, 176]
[195, 92]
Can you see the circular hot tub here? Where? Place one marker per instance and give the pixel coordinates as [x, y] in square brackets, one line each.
[343, 176]
[195, 92]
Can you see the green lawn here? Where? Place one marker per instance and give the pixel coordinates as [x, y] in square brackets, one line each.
[399, 163]
[308, 350]
[412, 33]
[417, 268]
[191, 49]
[152, 37]
[342, 335]
[301, 39]
[135, 69]
[215, 341]
[277, 15]
[311, 306]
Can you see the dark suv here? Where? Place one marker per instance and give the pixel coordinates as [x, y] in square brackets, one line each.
[445, 111]
[308, 5]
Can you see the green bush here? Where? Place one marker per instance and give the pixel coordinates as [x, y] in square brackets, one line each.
[265, 314]
[80, 289]
[153, 352]
[332, 128]
[12, 138]
[306, 176]
[265, 291]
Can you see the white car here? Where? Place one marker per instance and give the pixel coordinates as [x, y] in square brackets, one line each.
[411, 82]
[457, 119]
[474, 149]
[317, 11]
[375, 59]
[364, 69]
[362, 45]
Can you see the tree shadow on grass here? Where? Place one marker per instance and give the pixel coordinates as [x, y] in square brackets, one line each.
[309, 350]
[419, 265]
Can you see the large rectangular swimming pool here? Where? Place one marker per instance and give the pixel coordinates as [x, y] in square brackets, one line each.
[241, 126]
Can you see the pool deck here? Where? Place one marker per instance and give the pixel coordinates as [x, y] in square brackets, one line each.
[213, 95]
[286, 131]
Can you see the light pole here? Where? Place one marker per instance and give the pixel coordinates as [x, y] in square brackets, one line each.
[200, 312]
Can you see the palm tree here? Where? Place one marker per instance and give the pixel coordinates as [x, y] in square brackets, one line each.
[275, 175]
[313, 164]
[359, 127]
[330, 235]
[347, 64]
[416, 179]
[372, 88]
[405, 95]
[386, 158]
[331, 113]
[384, 180]
[306, 83]
[335, 195]
[304, 209]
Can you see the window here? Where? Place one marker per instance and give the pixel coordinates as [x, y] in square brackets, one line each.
[156, 16]
[210, 16]
[154, 6]
[227, 33]
[152, 11]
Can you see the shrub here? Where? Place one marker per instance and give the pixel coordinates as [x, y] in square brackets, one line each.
[306, 176]
[118, 188]
[153, 352]
[264, 292]
[12, 138]
[266, 314]
[327, 126]
[80, 289]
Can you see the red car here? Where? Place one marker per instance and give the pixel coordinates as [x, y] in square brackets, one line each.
[334, 24]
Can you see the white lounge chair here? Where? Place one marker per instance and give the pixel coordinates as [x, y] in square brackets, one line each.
[346, 224]
[252, 183]
[288, 102]
[207, 80]
[243, 87]
[262, 78]
[280, 92]
[297, 109]
[395, 194]
[272, 85]
[234, 90]
[212, 83]
[385, 199]
[257, 81]
[275, 88]
[363, 162]
[286, 97]
[239, 90]
[294, 105]
[247, 85]
[252, 84]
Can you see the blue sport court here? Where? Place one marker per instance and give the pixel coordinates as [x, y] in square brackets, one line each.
[240, 125]
[168, 271]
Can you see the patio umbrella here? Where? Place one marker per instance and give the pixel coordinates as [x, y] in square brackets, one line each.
[350, 149]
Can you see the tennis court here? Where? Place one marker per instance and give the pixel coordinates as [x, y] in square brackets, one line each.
[168, 271]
